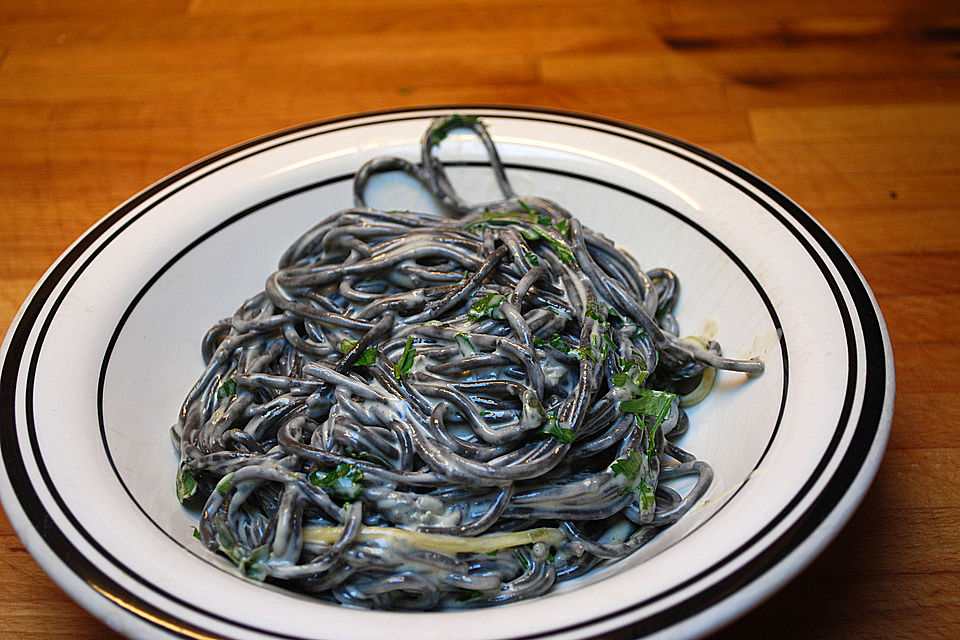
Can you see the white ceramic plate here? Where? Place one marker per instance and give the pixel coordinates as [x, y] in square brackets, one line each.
[106, 346]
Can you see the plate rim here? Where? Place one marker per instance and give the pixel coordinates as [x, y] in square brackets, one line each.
[879, 418]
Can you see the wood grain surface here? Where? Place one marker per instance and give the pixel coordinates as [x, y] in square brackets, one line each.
[851, 108]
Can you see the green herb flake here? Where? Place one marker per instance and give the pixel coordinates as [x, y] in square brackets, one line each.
[558, 343]
[186, 483]
[254, 565]
[649, 402]
[534, 217]
[487, 307]
[558, 433]
[585, 353]
[466, 346]
[628, 467]
[527, 233]
[227, 389]
[405, 363]
[251, 562]
[365, 455]
[593, 311]
[652, 403]
[563, 226]
[225, 538]
[368, 357]
[439, 133]
[647, 499]
[564, 253]
[522, 559]
[344, 481]
[532, 258]
[638, 367]
[224, 485]
[610, 344]
[555, 341]
[196, 533]
[619, 379]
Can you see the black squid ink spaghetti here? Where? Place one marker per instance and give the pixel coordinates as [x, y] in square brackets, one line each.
[443, 411]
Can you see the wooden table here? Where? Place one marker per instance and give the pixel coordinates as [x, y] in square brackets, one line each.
[852, 108]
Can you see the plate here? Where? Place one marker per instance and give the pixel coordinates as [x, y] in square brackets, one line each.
[106, 346]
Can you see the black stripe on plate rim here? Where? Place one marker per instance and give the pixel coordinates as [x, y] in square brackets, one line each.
[72, 255]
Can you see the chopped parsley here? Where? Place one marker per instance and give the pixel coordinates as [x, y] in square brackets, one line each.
[489, 306]
[534, 216]
[368, 357]
[563, 226]
[532, 414]
[585, 353]
[609, 344]
[593, 311]
[646, 496]
[596, 351]
[564, 253]
[254, 565]
[651, 403]
[224, 485]
[251, 562]
[560, 434]
[555, 341]
[186, 483]
[365, 455]
[522, 559]
[466, 346]
[227, 389]
[632, 468]
[607, 316]
[633, 376]
[405, 363]
[439, 133]
[532, 226]
[628, 467]
[344, 481]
